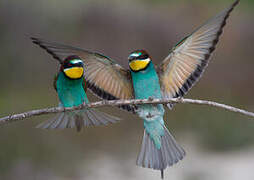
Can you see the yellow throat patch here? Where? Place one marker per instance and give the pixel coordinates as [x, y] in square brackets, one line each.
[137, 65]
[74, 72]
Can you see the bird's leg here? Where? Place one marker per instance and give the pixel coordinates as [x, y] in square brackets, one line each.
[150, 98]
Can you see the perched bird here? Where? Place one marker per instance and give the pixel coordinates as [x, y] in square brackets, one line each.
[70, 86]
[173, 78]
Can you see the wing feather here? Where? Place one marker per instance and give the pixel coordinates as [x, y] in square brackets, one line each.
[186, 62]
[104, 77]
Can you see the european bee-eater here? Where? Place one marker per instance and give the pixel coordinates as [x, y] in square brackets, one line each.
[70, 86]
[173, 78]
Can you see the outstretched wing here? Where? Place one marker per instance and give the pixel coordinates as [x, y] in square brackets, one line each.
[187, 60]
[104, 77]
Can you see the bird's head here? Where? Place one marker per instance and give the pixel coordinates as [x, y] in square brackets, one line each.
[73, 67]
[139, 60]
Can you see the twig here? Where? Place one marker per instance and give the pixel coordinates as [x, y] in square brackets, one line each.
[21, 116]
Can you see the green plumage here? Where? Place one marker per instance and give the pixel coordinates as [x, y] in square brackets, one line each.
[70, 91]
[146, 84]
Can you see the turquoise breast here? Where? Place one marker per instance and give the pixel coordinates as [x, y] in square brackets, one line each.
[70, 92]
[146, 83]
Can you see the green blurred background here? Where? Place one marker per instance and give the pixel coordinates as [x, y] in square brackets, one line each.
[219, 144]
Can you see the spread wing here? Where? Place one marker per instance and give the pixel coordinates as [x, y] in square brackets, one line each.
[186, 62]
[104, 77]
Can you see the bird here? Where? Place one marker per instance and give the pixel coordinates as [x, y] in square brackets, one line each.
[70, 86]
[172, 78]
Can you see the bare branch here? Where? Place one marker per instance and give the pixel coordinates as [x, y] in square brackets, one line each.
[21, 116]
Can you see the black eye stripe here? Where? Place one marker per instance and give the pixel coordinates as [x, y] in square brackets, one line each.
[66, 65]
[143, 56]
[69, 65]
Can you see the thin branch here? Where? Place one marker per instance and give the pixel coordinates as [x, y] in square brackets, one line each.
[21, 116]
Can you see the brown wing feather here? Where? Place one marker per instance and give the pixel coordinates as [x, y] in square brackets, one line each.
[104, 77]
[185, 64]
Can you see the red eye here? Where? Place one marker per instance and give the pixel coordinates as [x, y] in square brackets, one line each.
[67, 65]
[143, 56]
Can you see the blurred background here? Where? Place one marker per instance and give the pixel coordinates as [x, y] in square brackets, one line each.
[219, 144]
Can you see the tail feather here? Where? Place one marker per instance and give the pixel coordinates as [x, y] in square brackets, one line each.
[78, 122]
[51, 122]
[57, 121]
[93, 119]
[78, 119]
[151, 157]
[65, 122]
[71, 123]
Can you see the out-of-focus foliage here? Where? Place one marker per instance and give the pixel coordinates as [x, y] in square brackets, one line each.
[115, 28]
